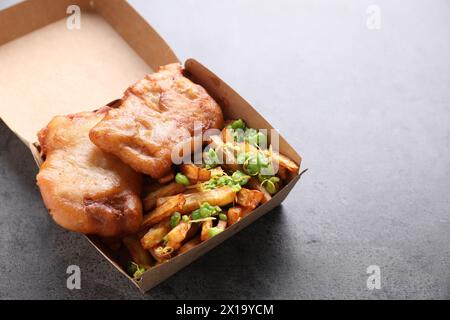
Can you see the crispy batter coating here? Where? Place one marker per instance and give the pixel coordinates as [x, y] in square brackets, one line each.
[85, 189]
[156, 114]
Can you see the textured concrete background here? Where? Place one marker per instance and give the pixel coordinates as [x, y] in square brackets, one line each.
[369, 110]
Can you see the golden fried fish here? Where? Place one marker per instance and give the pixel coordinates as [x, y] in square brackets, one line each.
[85, 189]
[155, 115]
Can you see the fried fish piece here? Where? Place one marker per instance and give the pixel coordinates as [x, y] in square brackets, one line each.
[85, 189]
[156, 114]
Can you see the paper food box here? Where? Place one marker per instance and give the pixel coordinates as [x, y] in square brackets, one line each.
[49, 66]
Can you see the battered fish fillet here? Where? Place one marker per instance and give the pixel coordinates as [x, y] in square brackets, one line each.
[155, 115]
[85, 189]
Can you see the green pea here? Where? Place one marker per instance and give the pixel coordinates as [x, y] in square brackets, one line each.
[182, 179]
[185, 218]
[212, 184]
[212, 153]
[238, 124]
[215, 210]
[236, 188]
[131, 268]
[253, 140]
[221, 180]
[275, 179]
[139, 272]
[223, 217]
[270, 186]
[268, 171]
[207, 205]
[251, 132]
[205, 212]
[212, 160]
[196, 215]
[251, 135]
[175, 219]
[251, 166]
[241, 157]
[262, 160]
[238, 135]
[214, 231]
[240, 177]
[262, 140]
[224, 180]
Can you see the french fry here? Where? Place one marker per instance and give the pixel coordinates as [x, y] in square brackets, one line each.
[160, 254]
[227, 135]
[164, 191]
[176, 236]
[204, 174]
[190, 171]
[254, 184]
[283, 161]
[155, 234]
[221, 224]
[233, 215]
[175, 203]
[236, 213]
[283, 174]
[246, 147]
[190, 244]
[167, 178]
[225, 154]
[245, 211]
[195, 173]
[138, 253]
[217, 171]
[161, 201]
[174, 239]
[191, 189]
[206, 225]
[215, 197]
[249, 198]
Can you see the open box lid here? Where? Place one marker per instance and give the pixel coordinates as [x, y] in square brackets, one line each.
[47, 69]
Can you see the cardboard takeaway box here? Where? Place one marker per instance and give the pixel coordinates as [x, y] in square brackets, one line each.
[48, 69]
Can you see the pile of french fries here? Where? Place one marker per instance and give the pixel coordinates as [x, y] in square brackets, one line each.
[196, 202]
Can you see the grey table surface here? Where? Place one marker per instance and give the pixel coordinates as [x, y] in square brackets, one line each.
[369, 111]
